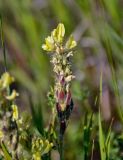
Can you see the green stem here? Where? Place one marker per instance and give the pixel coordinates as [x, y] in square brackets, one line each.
[61, 147]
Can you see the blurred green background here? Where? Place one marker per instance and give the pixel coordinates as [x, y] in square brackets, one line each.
[97, 26]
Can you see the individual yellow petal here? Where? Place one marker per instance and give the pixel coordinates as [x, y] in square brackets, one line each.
[15, 112]
[13, 95]
[47, 148]
[71, 43]
[54, 34]
[49, 44]
[58, 33]
[49, 40]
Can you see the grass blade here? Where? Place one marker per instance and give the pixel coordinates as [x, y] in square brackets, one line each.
[87, 134]
[5, 151]
[108, 140]
[3, 43]
[101, 135]
[101, 139]
[36, 110]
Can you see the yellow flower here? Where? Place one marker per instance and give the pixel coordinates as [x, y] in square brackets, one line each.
[15, 112]
[6, 80]
[57, 36]
[47, 147]
[40, 147]
[13, 95]
[49, 44]
[59, 33]
[71, 43]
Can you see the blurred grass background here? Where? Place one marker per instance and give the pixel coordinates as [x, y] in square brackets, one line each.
[98, 28]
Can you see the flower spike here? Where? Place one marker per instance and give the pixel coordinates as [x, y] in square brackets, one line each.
[63, 72]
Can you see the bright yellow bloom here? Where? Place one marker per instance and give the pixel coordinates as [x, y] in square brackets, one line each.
[47, 147]
[6, 80]
[40, 147]
[71, 43]
[15, 112]
[58, 33]
[49, 44]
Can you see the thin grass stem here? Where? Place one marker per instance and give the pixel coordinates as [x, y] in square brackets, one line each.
[3, 43]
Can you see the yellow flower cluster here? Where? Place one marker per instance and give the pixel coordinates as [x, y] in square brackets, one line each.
[61, 64]
[40, 147]
[53, 42]
[5, 82]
